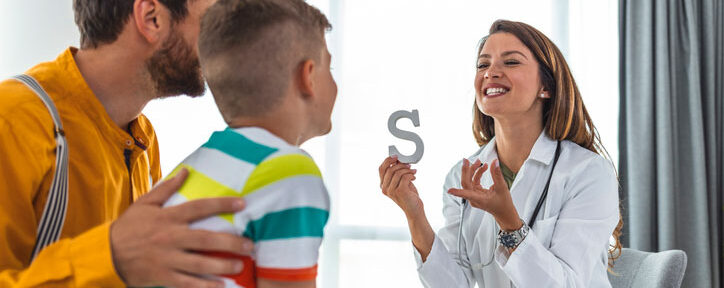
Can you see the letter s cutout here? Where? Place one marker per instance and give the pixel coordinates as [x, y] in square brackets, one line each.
[406, 135]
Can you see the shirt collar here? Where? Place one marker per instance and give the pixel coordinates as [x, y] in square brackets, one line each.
[261, 136]
[489, 152]
[543, 150]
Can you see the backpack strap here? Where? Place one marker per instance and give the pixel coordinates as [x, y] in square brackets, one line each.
[53, 218]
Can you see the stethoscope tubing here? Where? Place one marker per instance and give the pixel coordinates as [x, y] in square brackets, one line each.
[464, 202]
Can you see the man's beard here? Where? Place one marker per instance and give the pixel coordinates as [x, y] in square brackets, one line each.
[175, 69]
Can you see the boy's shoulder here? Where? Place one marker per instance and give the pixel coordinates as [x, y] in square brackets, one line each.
[272, 158]
[288, 162]
[246, 159]
[287, 169]
[249, 145]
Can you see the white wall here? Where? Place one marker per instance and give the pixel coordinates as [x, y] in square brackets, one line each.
[387, 55]
[34, 31]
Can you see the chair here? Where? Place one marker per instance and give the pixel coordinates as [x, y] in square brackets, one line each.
[645, 269]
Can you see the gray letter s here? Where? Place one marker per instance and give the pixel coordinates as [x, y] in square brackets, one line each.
[402, 134]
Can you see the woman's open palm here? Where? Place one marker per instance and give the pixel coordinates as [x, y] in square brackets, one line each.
[494, 199]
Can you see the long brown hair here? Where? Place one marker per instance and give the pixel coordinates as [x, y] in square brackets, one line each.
[564, 115]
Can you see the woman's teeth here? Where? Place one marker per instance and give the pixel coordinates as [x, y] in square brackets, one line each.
[495, 91]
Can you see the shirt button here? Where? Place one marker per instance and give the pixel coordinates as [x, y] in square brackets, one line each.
[128, 142]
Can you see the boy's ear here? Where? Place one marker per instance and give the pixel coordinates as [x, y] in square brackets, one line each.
[306, 78]
[150, 19]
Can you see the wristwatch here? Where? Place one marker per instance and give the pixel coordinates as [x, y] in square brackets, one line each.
[512, 239]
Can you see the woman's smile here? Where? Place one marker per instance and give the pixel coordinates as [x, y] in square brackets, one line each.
[495, 90]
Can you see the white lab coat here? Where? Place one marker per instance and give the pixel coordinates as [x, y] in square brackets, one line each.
[568, 244]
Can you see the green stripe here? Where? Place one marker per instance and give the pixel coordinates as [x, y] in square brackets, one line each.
[238, 146]
[286, 224]
[278, 168]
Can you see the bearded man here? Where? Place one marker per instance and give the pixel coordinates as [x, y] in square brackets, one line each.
[131, 52]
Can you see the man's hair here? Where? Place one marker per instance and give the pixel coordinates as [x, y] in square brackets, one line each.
[101, 21]
[249, 49]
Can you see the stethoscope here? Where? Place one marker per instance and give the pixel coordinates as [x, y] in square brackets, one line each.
[465, 262]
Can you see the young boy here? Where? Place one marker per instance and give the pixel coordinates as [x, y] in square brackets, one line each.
[267, 65]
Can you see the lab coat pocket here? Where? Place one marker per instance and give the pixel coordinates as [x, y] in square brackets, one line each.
[543, 230]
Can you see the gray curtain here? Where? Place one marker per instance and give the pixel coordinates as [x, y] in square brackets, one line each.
[672, 129]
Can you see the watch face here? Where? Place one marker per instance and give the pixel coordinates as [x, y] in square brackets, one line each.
[508, 240]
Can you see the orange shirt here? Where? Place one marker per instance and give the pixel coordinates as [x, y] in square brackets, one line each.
[108, 169]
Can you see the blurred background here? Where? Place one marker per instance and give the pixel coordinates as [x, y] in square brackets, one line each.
[388, 56]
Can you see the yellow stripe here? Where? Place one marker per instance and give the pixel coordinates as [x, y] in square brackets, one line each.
[198, 186]
[279, 168]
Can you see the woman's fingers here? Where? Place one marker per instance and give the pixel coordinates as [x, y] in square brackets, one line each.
[395, 181]
[479, 174]
[473, 169]
[498, 179]
[397, 185]
[387, 178]
[465, 175]
[472, 190]
[471, 195]
[480, 199]
[407, 179]
[386, 164]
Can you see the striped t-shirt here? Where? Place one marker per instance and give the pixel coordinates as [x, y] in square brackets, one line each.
[287, 205]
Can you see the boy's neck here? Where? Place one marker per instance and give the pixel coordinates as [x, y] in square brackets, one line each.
[288, 131]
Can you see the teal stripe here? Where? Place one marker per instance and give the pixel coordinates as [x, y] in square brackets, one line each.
[290, 223]
[238, 146]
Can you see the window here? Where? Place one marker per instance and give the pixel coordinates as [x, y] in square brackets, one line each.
[410, 54]
[387, 56]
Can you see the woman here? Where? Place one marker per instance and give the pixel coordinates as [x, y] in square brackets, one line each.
[537, 204]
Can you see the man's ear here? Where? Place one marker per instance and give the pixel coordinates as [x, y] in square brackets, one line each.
[151, 19]
[306, 78]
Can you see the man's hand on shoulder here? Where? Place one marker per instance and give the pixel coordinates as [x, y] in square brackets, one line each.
[153, 246]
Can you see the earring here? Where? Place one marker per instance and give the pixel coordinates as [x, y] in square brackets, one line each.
[542, 95]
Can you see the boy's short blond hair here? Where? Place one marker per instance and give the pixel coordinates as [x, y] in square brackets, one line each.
[249, 49]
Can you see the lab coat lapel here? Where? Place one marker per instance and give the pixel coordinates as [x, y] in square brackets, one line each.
[488, 154]
[531, 179]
